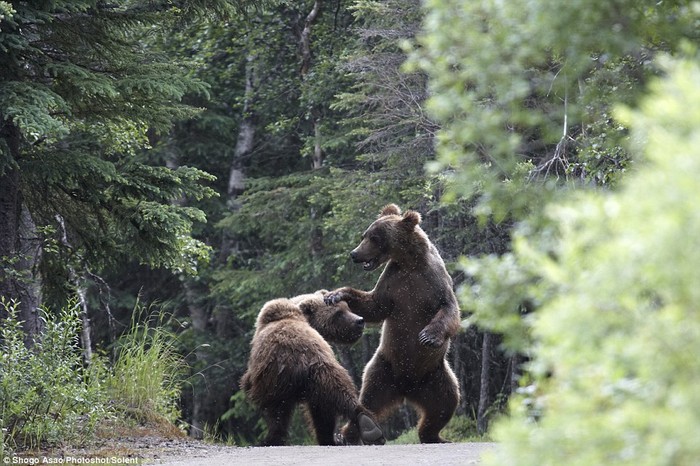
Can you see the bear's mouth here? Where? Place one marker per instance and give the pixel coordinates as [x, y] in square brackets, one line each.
[370, 264]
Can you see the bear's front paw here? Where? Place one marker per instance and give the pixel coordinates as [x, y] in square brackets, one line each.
[334, 297]
[427, 338]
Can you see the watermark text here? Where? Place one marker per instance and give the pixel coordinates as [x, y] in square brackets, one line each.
[31, 461]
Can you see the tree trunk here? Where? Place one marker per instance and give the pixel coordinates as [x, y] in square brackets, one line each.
[10, 208]
[482, 421]
[316, 237]
[86, 339]
[77, 281]
[244, 147]
[345, 357]
[9, 227]
[514, 375]
[246, 135]
[306, 56]
[317, 158]
[458, 366]
[305, 39]
[199, 315]
[20, 245]
[30, 281]
[368, 348]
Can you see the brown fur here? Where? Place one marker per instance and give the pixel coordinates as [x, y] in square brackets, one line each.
[416, 303]
[291, 362]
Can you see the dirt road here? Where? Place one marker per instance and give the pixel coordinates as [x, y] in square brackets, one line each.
[389, 455]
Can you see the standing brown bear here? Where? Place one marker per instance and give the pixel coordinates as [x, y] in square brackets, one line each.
[415, 300]
[291, 362]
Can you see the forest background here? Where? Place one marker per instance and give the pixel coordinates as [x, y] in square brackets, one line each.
[167, 167]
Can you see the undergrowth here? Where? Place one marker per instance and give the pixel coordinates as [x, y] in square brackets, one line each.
[459, 429]
[46, 394]
[49, 397]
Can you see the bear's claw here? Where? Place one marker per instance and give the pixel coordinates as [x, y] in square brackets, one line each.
[340, 440]
[333, 298]
[425, 338]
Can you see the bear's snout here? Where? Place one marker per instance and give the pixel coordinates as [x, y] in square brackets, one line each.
[360, 322]
[360, 254]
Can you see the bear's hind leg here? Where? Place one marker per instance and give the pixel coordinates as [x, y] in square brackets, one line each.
[436, 398]
[323, 421]
[378, 395]
[277, 418]
[331, 393]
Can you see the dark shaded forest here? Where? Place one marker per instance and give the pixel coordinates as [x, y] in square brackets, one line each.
[193, 160]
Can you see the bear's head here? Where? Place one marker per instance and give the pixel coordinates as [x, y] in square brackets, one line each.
[390, 236]
[335, 322]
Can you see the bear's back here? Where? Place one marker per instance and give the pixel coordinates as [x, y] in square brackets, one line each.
[282, 354]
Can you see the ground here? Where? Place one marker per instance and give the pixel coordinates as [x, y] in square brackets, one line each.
[448, 454]
[188, 452]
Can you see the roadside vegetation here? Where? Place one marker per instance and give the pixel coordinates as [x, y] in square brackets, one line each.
[49, 397]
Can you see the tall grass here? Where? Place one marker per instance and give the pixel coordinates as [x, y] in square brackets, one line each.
[146, 379]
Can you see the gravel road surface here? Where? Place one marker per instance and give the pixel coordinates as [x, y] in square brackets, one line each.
[441, 454]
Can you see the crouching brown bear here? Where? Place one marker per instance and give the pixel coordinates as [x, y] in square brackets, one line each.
[415, 301]
[291, 362]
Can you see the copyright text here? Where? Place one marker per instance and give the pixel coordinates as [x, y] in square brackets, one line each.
[68, 460]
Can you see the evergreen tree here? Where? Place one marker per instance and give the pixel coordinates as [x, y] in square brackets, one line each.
[81, 92]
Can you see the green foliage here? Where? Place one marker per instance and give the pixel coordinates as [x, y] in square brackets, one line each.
[246, 415]
[516, 83]
[146, 378]
[6, 11]
[500, 285]
[292, 229]
[221, 53]
[460, 429]
[49, 397]
[275, 225]
[614, 360]
[32, 109]
[121, 210]
[82, 98]
[46, 395]
[278, 216]
[524, 94]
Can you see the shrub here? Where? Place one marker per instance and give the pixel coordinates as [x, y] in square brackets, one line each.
[616, 355]
[46, 394]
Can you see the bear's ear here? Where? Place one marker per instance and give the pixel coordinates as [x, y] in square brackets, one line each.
[307, 309]
[410, 219]
[390, 209]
